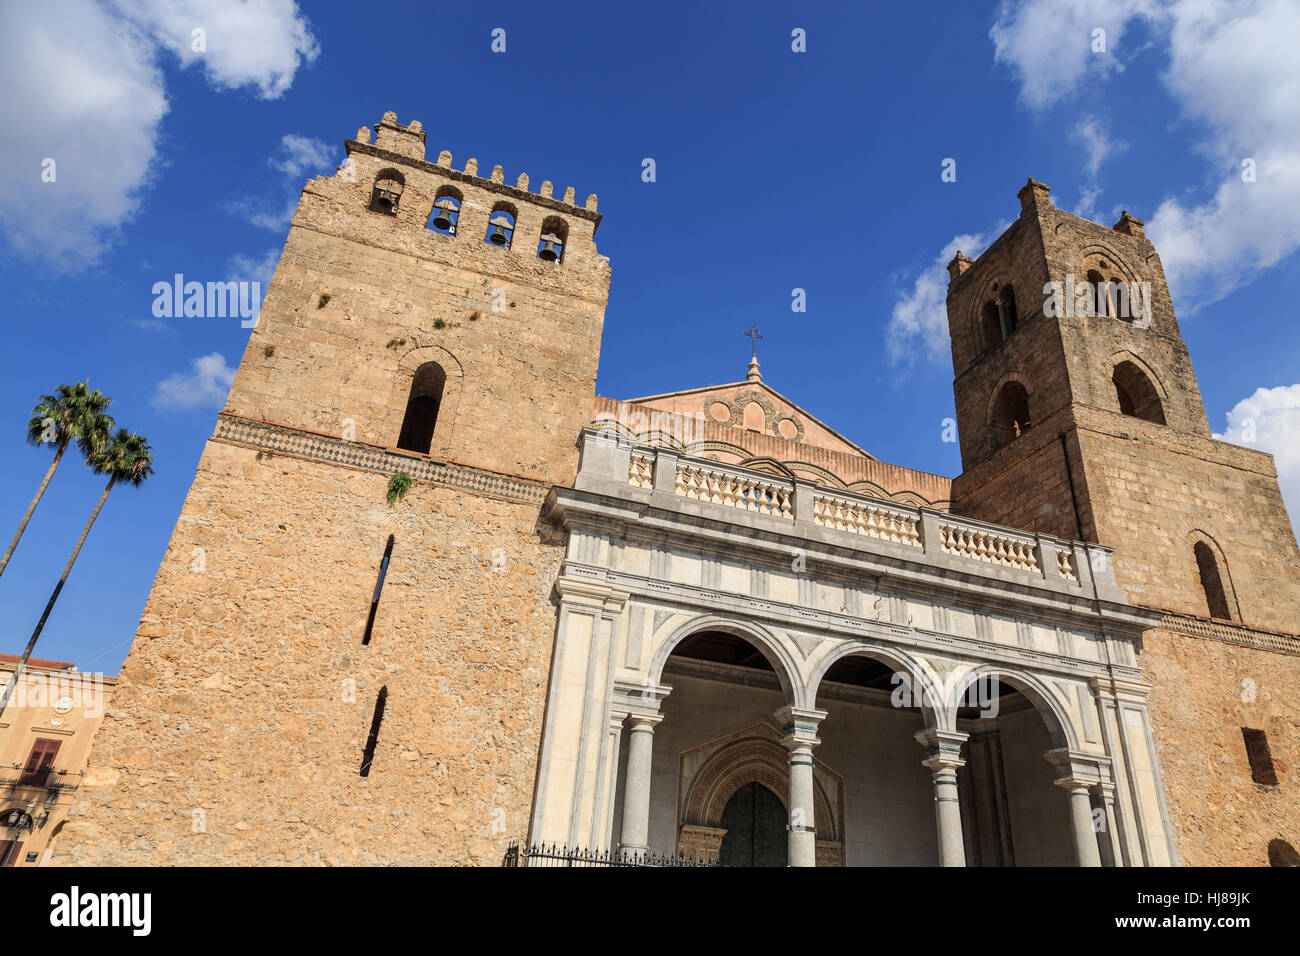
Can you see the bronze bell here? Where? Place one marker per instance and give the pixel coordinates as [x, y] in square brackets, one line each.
[498, 235]
[443, 220]
[548, 252]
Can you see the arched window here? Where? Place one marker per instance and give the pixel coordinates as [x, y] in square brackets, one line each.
[387, 192]
[422, 408]
[1137, 396]
[1216, 599]
[1119, 300]
[446, 211]
[555, 233]
[1011, 412]
[1007, 311]
[501, 226]
[992, 325]
[1098, 295]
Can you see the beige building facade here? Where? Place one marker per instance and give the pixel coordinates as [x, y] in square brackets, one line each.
[45, 737]
[702, 622]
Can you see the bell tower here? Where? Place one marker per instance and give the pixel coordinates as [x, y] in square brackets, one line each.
[433, 310]
[349, 638]
[1079, 415]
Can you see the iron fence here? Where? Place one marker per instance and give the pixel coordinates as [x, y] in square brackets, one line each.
[533, 854]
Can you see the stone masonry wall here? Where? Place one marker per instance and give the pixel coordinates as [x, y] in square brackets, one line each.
[1026, 484]
[233, 699]
[1199, 705]
[1155, 493]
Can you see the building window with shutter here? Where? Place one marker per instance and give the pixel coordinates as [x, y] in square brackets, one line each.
[40, 762]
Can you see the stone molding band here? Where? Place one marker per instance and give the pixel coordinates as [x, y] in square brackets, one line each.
[1230, 632]
[311, 446]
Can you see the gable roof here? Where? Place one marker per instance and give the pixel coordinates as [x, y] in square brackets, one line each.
[782, 418]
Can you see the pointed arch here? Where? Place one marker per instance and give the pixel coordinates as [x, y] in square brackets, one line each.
[404, 376]
[1213, 575]
[1137, 388]
[754, 755]
[1008, 414]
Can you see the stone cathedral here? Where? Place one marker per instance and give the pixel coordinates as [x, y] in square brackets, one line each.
[701, 622]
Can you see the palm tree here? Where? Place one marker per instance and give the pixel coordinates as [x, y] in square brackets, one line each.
[72, 413]
[124, 457]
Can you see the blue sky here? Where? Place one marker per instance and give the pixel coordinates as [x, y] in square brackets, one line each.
[775, 170]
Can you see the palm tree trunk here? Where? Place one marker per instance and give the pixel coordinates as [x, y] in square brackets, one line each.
[32, 507]
[27, 652]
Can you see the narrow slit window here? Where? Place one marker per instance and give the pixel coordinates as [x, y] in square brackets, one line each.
[379, 589]
[1261, 760]
[368, 755]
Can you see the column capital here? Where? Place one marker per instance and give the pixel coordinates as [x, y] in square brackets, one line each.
[643, 722]
[1105, 789]
[1076, 770]
[1120, 688]
[942, 748]
[799, 726]
[643, 698]
[592, 596]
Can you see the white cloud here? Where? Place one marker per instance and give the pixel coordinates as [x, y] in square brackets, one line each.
[243, 268]
[1094, 135]
[83, 90]
[86, 92]
[918, 327]
[1237, 73]
[1049, 43]
[1269, 420]
[298, 155]
[259, 43]
[301, 154]
[205, 386]
[1233, 72]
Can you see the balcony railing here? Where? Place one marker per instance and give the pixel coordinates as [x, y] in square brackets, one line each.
[1071, 565]
[17, 775]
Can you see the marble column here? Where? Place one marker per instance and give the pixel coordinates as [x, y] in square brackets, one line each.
[1085, 835]
[943, 757]
[636, 784]
[799, 739]
[1111, 852]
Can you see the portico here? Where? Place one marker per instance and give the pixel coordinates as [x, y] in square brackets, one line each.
[717, 656]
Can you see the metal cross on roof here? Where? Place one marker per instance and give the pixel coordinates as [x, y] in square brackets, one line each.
[754, 338]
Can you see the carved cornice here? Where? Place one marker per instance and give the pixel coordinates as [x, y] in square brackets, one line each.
[311, 446]
[1231, 632]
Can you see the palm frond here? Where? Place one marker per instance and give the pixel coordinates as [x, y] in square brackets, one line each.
[71, 413]
[125, 457]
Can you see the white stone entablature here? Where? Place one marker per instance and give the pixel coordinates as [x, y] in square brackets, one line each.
[662, 546]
